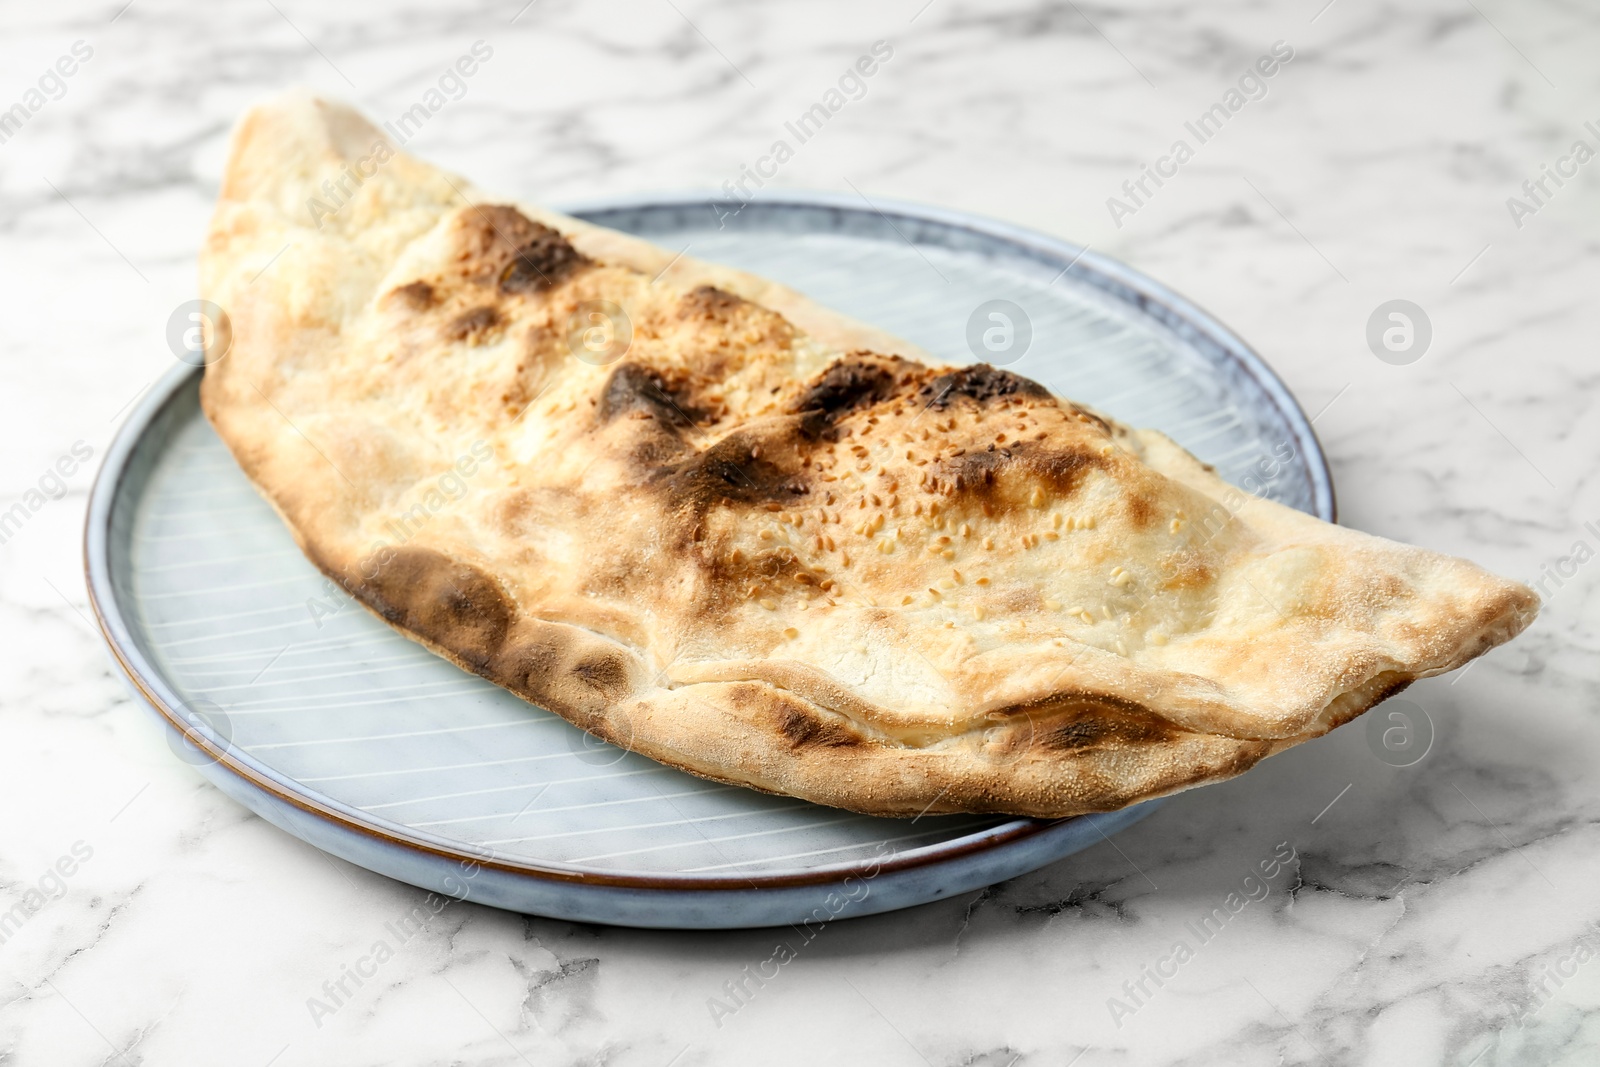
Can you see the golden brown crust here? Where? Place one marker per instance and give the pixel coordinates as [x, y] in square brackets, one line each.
[769, 545]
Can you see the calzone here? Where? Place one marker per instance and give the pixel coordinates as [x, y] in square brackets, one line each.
[707, 520]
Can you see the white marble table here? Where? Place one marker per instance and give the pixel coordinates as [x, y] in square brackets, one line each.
[1443, 912]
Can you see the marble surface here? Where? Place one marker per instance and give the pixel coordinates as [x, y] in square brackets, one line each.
[1441, 912]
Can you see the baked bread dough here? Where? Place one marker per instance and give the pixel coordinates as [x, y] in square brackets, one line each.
[750, 538]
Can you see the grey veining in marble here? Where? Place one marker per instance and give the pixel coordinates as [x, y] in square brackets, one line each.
[1442, 912]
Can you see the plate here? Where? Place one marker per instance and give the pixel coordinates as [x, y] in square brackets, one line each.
[303, 707]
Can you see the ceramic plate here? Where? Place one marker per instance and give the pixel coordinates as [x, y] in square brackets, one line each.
[306, 709]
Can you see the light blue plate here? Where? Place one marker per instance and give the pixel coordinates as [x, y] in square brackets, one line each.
[322, 720]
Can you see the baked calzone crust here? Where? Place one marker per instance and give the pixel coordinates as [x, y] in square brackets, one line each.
[707, 520]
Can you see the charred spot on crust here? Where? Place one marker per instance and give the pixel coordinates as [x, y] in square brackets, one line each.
[418, 296]
[501, 223]
[724, 329]
[1068, 722]
[604, 671]
[500, 246]
[656, 452]
[732, 470]
[1098, 727]
[803, 727]
[1060, 469]
[526, 665]
[708, 302]
[1140, 508]
[734, 578]
[542, 261]
[578, 674]
[472, 324]
[856, 381]
[981, 383]
[977, 470]
[636, 387]
[451, 603]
